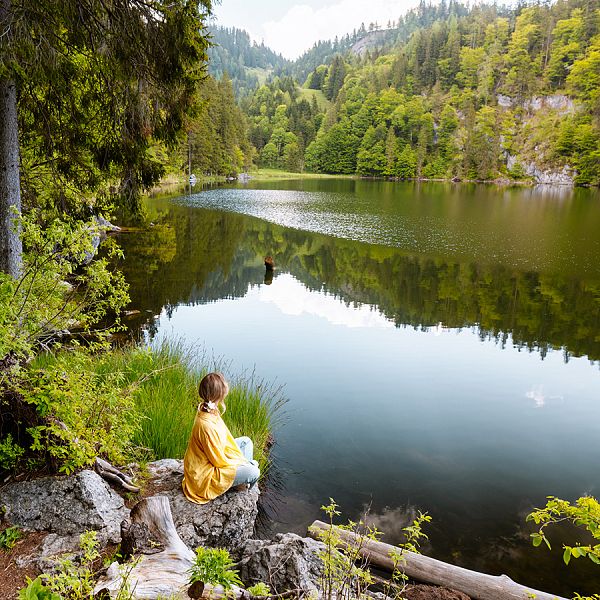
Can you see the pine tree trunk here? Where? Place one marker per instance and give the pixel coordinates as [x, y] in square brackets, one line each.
[10, 186]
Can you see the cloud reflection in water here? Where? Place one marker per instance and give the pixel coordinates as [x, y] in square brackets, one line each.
[291, 297]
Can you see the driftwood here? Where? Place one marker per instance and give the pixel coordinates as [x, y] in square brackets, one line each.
[152, 574]
[478, 586]
[112, 474]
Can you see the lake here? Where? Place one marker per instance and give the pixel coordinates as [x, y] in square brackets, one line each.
[438, 344]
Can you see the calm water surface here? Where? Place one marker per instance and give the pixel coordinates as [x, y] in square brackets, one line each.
[438, 345]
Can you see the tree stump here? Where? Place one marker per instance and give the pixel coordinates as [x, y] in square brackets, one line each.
[161, 564]
[269, 263]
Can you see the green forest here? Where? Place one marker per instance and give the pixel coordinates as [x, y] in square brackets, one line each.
[481, 94]
[445, 92]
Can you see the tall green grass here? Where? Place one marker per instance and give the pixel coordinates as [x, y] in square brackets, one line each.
[164, 381]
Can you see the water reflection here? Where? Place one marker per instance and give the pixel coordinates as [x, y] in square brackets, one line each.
[293, 298]
[414, 379]
[196, 256]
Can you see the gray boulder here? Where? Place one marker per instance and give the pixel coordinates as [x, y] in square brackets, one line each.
[285, 563]
[66, 506]
[226, 522]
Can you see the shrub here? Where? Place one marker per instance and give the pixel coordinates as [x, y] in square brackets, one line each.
[81, 411]
[345, 574]
[214, 566]
[585, 514]
[57, 291]
[75, 579]
[10, 453]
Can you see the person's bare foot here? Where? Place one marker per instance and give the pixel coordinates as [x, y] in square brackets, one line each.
[243, 487]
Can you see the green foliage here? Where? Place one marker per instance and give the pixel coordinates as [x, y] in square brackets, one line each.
[245, 62]
[214, 566]
[56, 291]
[36, 590]
[10, 453]
[9, 537]
[91, 99]
[345, 573]
[585, 513]
[406, 163]
[83, 410]
[260, 589]
[217, 139]
[283, 122]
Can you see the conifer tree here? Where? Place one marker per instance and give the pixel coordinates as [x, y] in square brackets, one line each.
[88, 83]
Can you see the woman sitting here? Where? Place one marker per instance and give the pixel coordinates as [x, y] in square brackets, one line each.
[214, 461]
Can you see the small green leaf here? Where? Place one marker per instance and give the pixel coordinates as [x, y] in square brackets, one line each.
[567, 555]
[594, 558]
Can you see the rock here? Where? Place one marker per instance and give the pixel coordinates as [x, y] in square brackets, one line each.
[562, 104]
[66, 506]
[285, 563]
[225, 522]
[504, 101]
[548, 177]
[371, 40]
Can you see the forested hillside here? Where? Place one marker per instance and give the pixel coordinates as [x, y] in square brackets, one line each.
[246, 63]
[369, 40]
[217, 136]
[476, 93]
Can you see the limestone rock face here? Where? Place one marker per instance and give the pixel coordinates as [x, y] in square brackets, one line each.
[285, 563]
[66, 506]
[564, 176]
[226, 522]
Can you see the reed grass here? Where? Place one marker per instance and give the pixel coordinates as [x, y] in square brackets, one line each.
[164, 380]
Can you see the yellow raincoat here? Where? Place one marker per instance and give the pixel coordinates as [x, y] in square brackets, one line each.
[211, 459]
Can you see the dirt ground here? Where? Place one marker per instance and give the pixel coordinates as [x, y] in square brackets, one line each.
[13, 578]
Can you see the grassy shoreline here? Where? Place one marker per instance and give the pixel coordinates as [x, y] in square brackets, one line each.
[275, 174]
[162, 381]
[173, 184]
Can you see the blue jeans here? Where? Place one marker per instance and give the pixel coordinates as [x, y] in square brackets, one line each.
[248, 472]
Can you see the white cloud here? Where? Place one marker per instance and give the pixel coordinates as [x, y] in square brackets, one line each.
[304, 25]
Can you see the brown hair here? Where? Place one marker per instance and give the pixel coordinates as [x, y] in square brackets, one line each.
[213, 388]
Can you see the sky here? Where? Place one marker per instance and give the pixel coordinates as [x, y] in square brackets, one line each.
[293, 26]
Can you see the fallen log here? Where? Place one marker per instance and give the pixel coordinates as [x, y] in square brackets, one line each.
[152, 574]
[478, 586]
